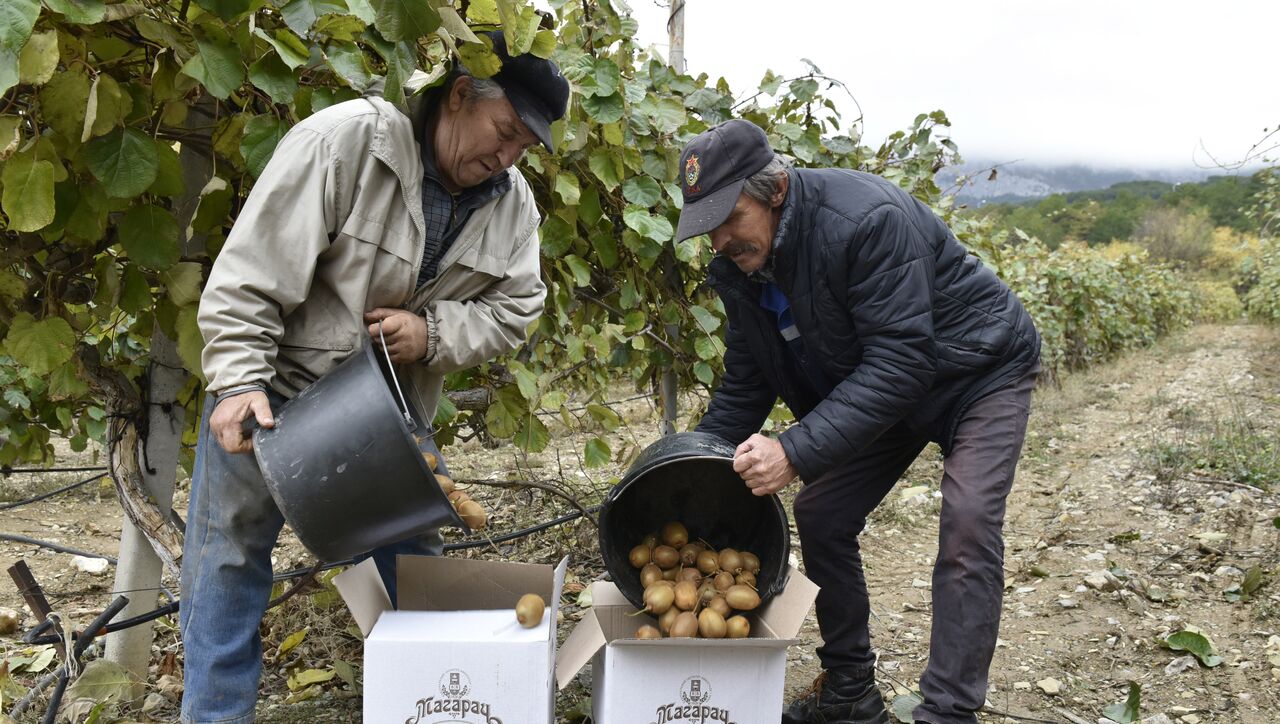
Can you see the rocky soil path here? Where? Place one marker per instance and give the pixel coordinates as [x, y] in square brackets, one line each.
[1140, 511]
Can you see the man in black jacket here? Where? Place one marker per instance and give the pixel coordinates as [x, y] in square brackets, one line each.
[856, 305]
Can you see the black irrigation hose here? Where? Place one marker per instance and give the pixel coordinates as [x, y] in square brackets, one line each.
[50, 494]
[82, 643]
[54, 546]
[172, 608]
[6, 470]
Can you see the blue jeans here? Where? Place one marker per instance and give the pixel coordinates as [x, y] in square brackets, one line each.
[232, 525]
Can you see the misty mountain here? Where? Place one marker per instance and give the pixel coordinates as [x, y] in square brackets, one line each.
[1016, 182]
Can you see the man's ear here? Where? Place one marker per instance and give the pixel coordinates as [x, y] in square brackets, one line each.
[459, 92]
[780, 194]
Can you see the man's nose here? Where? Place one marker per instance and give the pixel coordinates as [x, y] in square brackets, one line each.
[508, 154]
[719, 239]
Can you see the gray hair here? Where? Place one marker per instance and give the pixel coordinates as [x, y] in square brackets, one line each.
[482, 89]
[762, 185]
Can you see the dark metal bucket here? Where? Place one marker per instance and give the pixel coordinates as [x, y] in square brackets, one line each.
[345, 462]
[689, 477]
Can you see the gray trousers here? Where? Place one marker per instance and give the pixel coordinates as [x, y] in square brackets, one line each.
[968, 576]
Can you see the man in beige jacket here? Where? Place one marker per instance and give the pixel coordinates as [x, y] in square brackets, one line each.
[367, 214]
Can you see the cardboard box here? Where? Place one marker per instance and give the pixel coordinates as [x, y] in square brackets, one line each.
[731, 681]
[453, 651]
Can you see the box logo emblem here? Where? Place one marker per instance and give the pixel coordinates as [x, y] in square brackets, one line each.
[695, 693]
[453, 706]
[455, 684]
[695, 690]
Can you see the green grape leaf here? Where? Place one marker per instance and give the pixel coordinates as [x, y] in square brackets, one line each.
[1196, 644]
[217, 65]
[169, 181]
[607, 167]
[604, 109]
[292, 51]
[135, 290]
[182, 281]
[63, 100]
[533, 435]
[348, 62]
[274, 77]
[261, 135]
[40, 346]
[39, 58]
[596, 453]
[642, 190]
[567, 189]
[706, 321]
[28, 193]
[300, 15]
[149, 235]
[226, 9]
[647, 225]
[404, 20]
[483, 12]
[17, 18]
[125, 161]
[79, 12]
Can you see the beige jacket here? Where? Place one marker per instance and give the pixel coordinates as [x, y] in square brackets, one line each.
[333, 228]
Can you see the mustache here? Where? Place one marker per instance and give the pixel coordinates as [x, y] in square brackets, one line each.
[738, 247]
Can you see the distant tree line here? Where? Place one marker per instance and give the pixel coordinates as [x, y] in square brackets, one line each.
[1174, 221]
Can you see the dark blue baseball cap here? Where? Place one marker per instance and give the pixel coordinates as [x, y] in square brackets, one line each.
[714, 167]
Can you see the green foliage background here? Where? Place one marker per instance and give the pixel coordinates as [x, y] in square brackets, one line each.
[131, 132]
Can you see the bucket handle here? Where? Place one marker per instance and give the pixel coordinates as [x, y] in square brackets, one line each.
[404, 406]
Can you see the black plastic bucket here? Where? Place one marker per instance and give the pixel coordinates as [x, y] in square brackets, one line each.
[345, 462]
[688, 477]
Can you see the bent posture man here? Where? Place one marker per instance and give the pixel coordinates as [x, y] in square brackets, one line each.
[856, 305]
[367, 215]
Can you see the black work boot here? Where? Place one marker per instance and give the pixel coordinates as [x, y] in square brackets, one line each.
[840, 698]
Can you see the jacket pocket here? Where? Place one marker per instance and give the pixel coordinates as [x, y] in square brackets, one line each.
[387, 238]
[965, 356]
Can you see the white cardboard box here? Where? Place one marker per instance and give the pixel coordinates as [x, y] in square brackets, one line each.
[453, 652]
[731, 681]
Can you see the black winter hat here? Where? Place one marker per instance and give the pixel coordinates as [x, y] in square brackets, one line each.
[535, 86]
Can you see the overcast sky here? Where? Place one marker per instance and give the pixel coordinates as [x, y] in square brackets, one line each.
[1104, 83]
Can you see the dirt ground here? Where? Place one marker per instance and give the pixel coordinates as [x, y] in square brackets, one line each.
[1140, 509]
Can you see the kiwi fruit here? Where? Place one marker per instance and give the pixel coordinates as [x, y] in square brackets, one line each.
[746, 578]
[689, 574]
[666, 557]
[723, 580]
[445, 482]
[686, 595]
[430, 459]
[473, 515]
[742, 598]
[750, 562]
[657, 599]
[730, 560]
[668, 618]
[649, 574]
[529, 610]
[675, 535]
[711, 624]
[640, 556]
[685, 626]
[689, 554]
[708, 562]
[648, 632]
[720, 606]
[738, 627]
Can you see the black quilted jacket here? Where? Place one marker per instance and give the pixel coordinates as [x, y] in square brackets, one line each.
[905, 323]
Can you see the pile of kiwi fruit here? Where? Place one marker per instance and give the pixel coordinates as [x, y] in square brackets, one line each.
[694, 590]
[471, 512]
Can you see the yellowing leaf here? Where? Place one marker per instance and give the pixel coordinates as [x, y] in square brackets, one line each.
[39, 58]
[292, 640]
[40, 346]
[28, 193]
